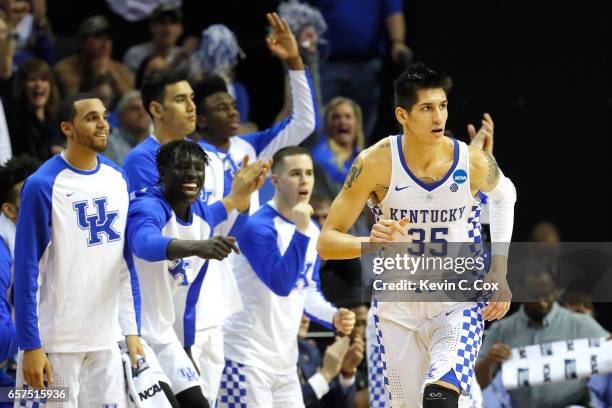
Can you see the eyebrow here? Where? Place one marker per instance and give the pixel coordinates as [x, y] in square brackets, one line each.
[96, 112]
[433, 103]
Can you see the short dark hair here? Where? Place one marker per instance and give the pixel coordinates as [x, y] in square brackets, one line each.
[14, 171]
[316, 200]
[169, 152]
[286, 152]
[67, 109]
[207, 87]
[416, 77]
[154, 85]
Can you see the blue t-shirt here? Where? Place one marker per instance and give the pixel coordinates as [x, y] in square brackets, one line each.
[323, 155]
[343, 16]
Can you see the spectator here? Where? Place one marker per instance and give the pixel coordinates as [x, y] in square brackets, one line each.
[328, 382]
[218, 54]
[93, 59]
[165, 27]
[32, 102]
[6, 44]
[102, 87]
[134, 125]
[540, 321]
[358, 38]
[320, 207]
[31, 30]
[147, 66]
[344, 131]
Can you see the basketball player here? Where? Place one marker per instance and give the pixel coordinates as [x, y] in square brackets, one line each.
[277, 274]
[169, 232]
[423, 172]
[70, 270]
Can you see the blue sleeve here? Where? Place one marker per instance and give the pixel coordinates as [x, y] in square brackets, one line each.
[215, 213]
[33, 237]
[308, 394]
[140, 171]
[316, 306]
[8, 335]
[278, 272]
[598, 385]
[146, 219]
[392, 7]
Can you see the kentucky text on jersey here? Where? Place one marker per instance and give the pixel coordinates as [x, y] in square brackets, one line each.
[426, 216]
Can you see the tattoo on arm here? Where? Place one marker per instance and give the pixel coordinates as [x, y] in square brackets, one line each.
[493, 171]
[354, 172]
[384, 145]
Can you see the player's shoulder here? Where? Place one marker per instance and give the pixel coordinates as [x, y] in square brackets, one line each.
[150, 200]
[148, 147]
[106, 162]
[45, 175]
[379, 153]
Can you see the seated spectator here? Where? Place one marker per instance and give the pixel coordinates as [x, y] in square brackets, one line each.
[540, 321]
[32, 100]
[328, 382]
[344, 139]
[165, 27]
[134, 125]
[32, 32]
[218, 54]
[93, 59]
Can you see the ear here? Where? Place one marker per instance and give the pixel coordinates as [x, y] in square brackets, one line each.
[156, 109]
[66, 128]
[9, 210]
[401, 115]
[275, 180]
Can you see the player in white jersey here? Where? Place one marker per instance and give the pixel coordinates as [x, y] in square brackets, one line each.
[218, 121]
[75, 296]
[169, 232]
[422, 186]
[277, 274]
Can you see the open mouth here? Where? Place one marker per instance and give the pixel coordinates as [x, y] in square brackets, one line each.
[303, 193]
[191, 188]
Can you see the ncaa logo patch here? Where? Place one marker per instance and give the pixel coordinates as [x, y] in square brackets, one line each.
[460, 176]
[454, 187]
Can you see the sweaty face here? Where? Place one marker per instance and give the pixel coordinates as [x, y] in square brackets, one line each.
[219, 116]
[183, 179]
[343, 125]
[178, 109]
[89, 128]
[295, 179]
[427, 118]
[37, 91]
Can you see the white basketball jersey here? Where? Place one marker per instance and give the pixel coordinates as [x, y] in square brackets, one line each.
[444, 211]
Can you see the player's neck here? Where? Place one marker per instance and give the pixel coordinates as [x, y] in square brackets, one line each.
[419, 154]
[165, 135]
[283, 208]
[180, 208]
[220, 142]
[80, 157]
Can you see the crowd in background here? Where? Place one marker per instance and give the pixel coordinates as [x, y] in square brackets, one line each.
[344, 65]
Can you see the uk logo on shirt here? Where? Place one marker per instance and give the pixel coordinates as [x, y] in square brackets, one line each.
[178, 271]
[99, 223]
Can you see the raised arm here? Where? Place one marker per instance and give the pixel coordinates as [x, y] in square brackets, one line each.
[365, 177]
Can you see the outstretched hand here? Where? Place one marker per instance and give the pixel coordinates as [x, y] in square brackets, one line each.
[282, 43]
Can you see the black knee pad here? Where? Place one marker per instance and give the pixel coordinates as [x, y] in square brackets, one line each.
[192, 398]
[437, 396]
